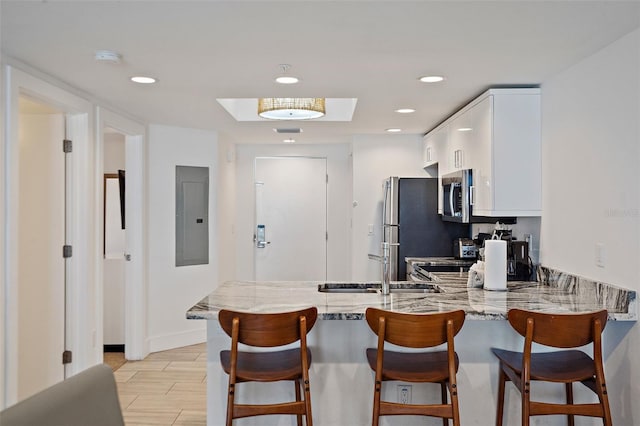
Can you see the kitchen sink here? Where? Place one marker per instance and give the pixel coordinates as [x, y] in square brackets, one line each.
[394, 287]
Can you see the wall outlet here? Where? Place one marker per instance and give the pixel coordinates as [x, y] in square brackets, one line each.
[404, 394]
[600, 255]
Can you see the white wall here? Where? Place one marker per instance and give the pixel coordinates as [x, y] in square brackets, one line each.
[374, 159]
[226, 195]
[339, 202]
[113, 267]
[114, 156]
[173, 290]
[591, 190]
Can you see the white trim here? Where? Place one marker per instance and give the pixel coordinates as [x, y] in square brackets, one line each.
[79, 119]
[178, 340]
[136, 346]
[3, 276]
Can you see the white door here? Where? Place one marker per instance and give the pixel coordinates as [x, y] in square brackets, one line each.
[41, 235]
[291, 218]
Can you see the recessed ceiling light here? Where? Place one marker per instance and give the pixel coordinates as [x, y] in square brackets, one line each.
[287, 79]
[393, 130]
[431, 78]
[405, 110]
[465, 129]
[289, 140]
[143, 80]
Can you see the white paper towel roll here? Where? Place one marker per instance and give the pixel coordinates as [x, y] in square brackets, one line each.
[495, 265]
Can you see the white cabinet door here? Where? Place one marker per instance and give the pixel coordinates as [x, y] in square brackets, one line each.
[435, 156]
[455, 143]
[434, 146]
[479, 152]
[517, 155]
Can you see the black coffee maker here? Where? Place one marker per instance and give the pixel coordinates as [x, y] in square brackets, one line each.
[518, 264]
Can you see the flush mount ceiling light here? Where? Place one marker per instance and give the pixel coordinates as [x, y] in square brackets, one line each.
[285, 78]
[108, 56]
[405, 110]
[291, 108]
[465, 129]
[431, 78]
[393, 130]
[289, 140]
[143, 80]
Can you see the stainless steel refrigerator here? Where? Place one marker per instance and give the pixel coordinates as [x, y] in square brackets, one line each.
[412, 225]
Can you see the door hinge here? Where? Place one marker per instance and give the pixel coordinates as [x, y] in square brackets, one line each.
[327, 175]
[326, 236]
[66, 357]
[67, 251]
[67, 146]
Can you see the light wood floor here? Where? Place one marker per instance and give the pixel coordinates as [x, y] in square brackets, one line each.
[166, 388]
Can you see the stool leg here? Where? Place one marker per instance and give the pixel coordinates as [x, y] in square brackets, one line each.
[500, 406]
[296, 384]
[230, 402]
[601, 387]
[376, 402]
[307, 401]
[443, 396]
[526, 397]
[454, 403]
[569, 391]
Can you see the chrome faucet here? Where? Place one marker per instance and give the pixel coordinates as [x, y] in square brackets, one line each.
[384, 265]
[386, 271]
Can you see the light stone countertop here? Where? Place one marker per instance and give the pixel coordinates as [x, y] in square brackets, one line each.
[555, 292]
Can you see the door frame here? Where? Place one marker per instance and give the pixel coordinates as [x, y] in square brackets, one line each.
[136, 342]
[78, 322]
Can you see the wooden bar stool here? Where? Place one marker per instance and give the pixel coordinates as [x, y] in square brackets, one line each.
[268, 330]
[565, 366]
[415, 331]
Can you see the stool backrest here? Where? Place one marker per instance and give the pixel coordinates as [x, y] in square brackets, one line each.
[415, 330]
[268, 330]
[559, 330]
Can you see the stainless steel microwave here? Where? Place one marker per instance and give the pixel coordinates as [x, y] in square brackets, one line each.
[457, 196]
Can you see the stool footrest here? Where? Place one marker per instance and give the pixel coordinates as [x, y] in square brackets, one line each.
[435, 410]
[542, 408]
[248, 410]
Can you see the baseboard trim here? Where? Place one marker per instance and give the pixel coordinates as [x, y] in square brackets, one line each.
[177, 340]
[113, 348]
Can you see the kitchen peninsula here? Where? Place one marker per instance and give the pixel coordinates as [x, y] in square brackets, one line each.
[341, 382]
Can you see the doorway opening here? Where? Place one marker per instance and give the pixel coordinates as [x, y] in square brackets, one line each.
[114, 247]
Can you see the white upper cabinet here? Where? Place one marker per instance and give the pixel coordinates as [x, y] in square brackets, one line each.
[497, 136]
[434, 145]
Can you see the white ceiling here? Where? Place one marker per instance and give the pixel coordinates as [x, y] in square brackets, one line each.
[370, 50]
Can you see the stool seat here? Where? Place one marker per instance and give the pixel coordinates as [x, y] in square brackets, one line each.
[265, 366]
[431, 367]
[551, 366]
